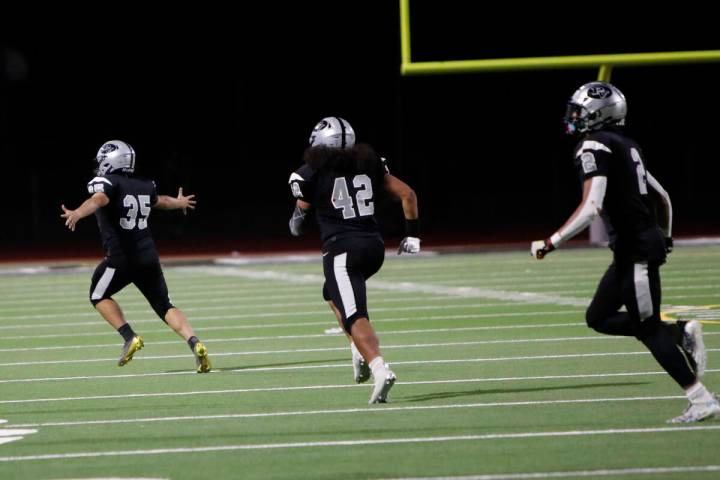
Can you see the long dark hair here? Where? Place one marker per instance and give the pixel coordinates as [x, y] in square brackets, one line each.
[361, 158]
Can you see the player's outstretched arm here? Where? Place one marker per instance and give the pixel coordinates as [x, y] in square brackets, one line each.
[88, 207]
[402, 191]
[590, 207]
[165, 202]
[297, 220]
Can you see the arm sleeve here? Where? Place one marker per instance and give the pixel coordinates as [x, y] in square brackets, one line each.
[666, 222]
[590, 209]
[101, 184]
[153, 194]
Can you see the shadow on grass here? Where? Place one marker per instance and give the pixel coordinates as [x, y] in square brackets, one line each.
[480, 391]
[225, 368]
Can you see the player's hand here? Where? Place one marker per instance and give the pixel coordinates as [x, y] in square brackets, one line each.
[540, 248]
[185, 202]
[669, 245]
[71, 217]
[409, 245]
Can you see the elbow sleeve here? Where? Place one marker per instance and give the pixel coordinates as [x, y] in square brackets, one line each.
[297, 221]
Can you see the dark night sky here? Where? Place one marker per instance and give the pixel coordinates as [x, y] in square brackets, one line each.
[222, 104]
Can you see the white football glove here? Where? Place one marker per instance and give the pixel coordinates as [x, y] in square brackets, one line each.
[540, 248]
[409, 245]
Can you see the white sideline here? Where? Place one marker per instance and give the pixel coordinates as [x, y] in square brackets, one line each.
[366, 442]
[364, 410]
[606, 472]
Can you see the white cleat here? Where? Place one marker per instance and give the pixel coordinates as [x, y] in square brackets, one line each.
[361, 369]
[382, 387]
[697, 412]
[693, 343]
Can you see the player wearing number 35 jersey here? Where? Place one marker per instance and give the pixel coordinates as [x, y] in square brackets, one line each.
[338, 184]
[122, 204]
[618, 188]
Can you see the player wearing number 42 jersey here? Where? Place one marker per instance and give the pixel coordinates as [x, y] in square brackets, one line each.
[122, 204]
[337, 184]
[618, 188]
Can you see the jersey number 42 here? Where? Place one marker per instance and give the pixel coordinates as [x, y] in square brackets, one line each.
[341, 198]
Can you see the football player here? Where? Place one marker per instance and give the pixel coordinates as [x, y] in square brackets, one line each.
[122, 204]
[337, 183]
[618, 188]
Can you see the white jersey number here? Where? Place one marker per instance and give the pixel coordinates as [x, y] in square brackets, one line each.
[341, 198]
[139, 204]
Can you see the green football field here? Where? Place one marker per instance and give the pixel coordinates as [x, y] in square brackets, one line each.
[498, 376]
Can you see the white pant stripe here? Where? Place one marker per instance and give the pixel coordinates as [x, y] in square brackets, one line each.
[103, 284]
[642, 291]
[343, 282]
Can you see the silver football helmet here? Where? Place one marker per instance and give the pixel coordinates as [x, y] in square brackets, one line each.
[593, 106]
[333, 132]
[115, 156]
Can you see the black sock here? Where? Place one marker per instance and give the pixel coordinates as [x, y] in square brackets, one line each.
[127, 332]
[192, 341]
[661, 343]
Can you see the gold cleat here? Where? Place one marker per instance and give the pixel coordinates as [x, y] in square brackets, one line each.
[129, 349]
[201, 358]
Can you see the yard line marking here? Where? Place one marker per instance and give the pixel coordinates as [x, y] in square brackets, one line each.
[107, 332]
[363, 410]
[322, 349]
[311, 387]
[365, 442]
[295, 314]
[606, 472]
[466, 292]
[331, 365]
[315, 335]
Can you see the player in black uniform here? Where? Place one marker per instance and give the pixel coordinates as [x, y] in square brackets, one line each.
[122, 204]
[338, 182]
[617, 187]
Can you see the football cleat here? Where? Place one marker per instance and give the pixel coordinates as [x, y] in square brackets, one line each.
[692, 343]
[361, 369]
[696, 412]
[382, 387]
[201, 358]
[131, 346]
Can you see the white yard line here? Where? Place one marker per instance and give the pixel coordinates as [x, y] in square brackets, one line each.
[208, 340]
[363, 410]
[328, 365]
[344, 348]
[336, 386]
[325, 313]
[464, 292]
[364, 442]
[606, 472]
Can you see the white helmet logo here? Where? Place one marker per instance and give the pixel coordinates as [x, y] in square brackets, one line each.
[599, 92]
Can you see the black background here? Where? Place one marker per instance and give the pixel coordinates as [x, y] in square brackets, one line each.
[222, 102]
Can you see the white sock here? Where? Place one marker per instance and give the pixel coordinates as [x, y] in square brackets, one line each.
[698, 394]
[378, 367]
[355, 351]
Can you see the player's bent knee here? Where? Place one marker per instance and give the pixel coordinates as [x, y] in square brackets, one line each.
[647, 328]
[350, 321]
[162, 309]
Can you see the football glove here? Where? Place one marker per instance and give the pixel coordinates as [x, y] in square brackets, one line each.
[669, 244]
[540, 248]
[297, 221]
[409, 245]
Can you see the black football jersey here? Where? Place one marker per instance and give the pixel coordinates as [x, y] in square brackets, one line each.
[628, 211]
[342, 196]
[123, 222]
